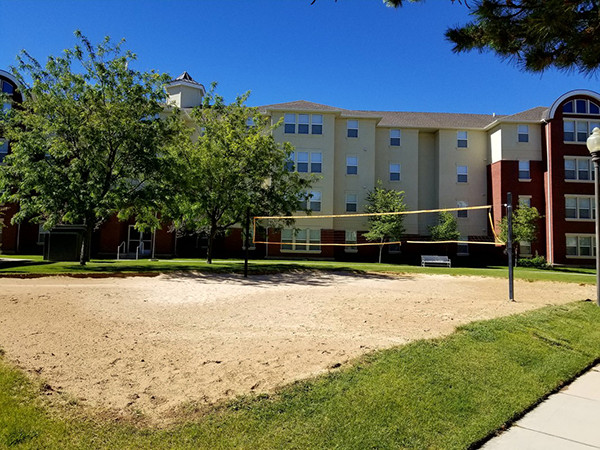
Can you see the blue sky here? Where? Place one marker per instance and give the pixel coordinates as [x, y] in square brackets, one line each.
[355, 54]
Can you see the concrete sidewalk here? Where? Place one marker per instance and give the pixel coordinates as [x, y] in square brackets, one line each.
[569, 419]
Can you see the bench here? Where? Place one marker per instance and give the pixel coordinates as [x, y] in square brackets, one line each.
[432, 260]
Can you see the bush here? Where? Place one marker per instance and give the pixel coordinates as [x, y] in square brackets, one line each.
[538, 262]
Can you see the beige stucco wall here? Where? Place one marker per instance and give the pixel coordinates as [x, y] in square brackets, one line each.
[185, 96]
[474, 192]
[505, 145]
[324, 143]
[496, 144]
[363, 147]
[428, 183]
[407, 155]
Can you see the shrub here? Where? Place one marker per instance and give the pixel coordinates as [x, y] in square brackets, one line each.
[538, 262]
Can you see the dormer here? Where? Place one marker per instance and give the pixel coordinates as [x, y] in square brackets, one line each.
[184, 92]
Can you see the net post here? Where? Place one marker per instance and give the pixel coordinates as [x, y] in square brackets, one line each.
[509, 247]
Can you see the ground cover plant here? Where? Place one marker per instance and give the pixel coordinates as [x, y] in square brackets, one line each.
[444, 393]
[35, 266]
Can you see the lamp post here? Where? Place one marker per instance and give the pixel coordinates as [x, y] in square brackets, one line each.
[593, 145]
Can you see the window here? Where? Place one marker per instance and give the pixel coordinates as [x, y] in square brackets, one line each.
[351, 165]
[41, 234]
[317, 124]
[7, 88]
[571, 207]
[578, 169]
[525, 200]
[462, 213]
[351, 240]
[578, 130]
[351, 203]
[249, 122]
[139, 242]
[462, 174]
[525, 248]
[462, 139]
[582, 131]
[352, 127]
[3, 149]
[581, 246]
[316, 162]
[395, 138]
[583, 169]
[394, 172]
[393, 249]
[311, 199]
[524, 173]
[462, 249]
[307, 123]
[580, 208]
[581, 106]
[523, 133]
[289, 123]
[303, 162]
[569, 131]
[303, 124]
[300, 240]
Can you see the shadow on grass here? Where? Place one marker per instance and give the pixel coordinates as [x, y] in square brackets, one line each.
[8, 264]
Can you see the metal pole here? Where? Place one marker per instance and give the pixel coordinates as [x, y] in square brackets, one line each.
[509, 244]
[596, 160]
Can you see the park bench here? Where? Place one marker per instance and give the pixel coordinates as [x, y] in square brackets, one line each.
[433, 260]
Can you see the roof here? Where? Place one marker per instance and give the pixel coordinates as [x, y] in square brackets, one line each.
[299, 105]
[408, 119]
[435, 120]
[530, 115]
[186, 77]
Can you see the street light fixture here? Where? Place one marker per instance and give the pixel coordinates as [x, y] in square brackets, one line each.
[593, 145]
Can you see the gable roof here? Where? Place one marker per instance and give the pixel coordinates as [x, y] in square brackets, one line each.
[299, 105]
[408, 119]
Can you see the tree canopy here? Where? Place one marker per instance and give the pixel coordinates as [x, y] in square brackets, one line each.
[536, 34]
[87, 140]
[446, 228]
[382, 228]
[525, 223]
[232, 169]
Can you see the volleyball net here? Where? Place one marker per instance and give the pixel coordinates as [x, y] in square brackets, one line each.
[341, 230]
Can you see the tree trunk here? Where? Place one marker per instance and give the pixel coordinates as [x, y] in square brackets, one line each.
[247, 243]
[86, 242]
[380, 250]
[211, 240]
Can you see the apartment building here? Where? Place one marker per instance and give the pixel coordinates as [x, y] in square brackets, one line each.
[439, 160]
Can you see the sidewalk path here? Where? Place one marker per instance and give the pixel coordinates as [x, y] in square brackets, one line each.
[567, 420]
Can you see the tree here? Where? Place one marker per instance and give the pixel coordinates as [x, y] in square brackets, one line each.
[525, 223]
[232, 171]
[382, 228]
[537, 34]
[446, 228]
[87, 139]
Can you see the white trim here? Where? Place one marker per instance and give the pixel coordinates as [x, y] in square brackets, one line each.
[548, 187]
[566, 95]
[8, 75]
[188, 84]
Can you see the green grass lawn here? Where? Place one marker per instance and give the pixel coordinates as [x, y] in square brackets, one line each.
[36, 266]
[443, 393]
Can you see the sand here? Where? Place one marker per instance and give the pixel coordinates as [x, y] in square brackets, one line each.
[152, 347]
